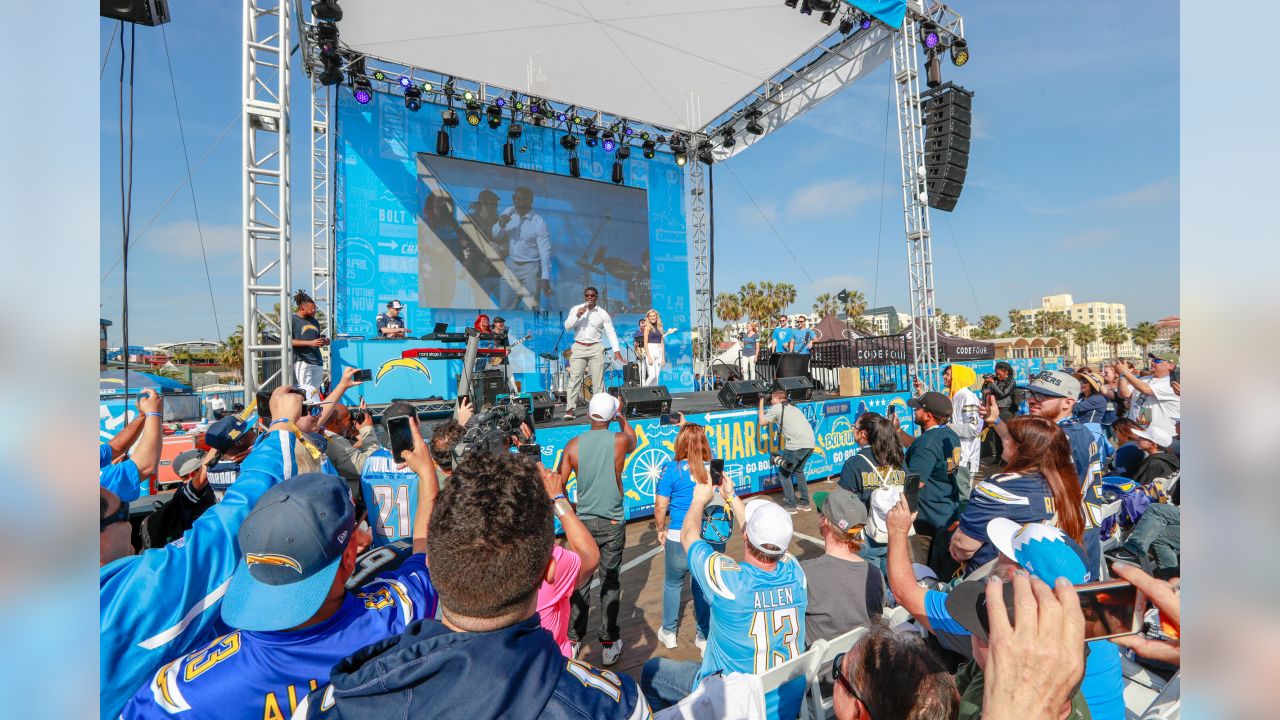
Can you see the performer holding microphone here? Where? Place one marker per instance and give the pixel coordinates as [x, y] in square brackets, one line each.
[654, 353]
[525, 233]
[590, 325]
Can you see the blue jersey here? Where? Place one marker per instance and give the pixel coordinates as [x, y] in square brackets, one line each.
[1087, 459]
[122, 478]
[803, 338]
[391, 495]
[221, 475]
[781, 336]
[757, 617]
[245, 674]
[104, 455]
[164, 603]
[1020, 498]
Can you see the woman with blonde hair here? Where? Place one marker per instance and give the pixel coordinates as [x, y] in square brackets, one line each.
[671, 501]
[653, 356]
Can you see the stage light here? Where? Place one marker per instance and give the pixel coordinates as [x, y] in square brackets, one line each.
[473, 113]
[574, 169]
[449, 118]
[681, 159]
[379, 75]
[468, 96]
[442, 142]
[624, 152]
[727, 140]
[929, 34]
[495, 117]
[827, 17]
[792, 3]
[535, 109]
[607, 141]
[592, 135]
[514, 130]
[846, 25]
[500, 102]
[562, 117]
[577, 120]
[413, 99]
[508, 154]
[629, 131]
[617, 176]
[933, 68]
[405, 81]
[866, 22]
[959, 52]
[332, 73]
[326, 10]
[806, 8]
[327, 38]
[753, 123]
[704, 153]
[678, 149]
[519, 106]
[649, 149]
[569, 142]
[361, 89]
[426, 87]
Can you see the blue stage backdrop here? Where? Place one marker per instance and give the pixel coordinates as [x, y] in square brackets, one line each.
[437, 233]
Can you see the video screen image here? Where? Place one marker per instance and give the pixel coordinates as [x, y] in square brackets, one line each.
[496, 237]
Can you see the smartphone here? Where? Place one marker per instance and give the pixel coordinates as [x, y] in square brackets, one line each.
[717, 471]
[264, 406]
[362, 376]
[1111, 609]
[670, 419]
[911, 489]
[401, 434]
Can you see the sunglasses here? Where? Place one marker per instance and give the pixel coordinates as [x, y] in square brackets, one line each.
[120, 515]
[838, 675]
[1039, 397]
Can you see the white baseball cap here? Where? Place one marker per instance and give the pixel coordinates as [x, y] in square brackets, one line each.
[1157, 435]
[767, 526]
[603, 407]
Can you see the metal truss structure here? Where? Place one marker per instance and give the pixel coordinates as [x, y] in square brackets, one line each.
[265, 145]
[700, 241]
[322, 250]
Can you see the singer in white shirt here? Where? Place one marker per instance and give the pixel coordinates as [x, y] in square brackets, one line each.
[590, 325]
[524, 233]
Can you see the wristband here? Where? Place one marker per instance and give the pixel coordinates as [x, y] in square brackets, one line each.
[561, 496]
[278, 421]
[997, 422]
[155, 414]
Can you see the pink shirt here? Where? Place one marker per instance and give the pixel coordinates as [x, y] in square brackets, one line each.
[553, 598]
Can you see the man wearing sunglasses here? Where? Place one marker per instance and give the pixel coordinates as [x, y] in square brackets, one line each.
[1152, 401]
[1052, 395]
[889, 674]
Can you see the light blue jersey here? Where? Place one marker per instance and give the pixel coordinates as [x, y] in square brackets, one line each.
[391, 495]
[757, 617]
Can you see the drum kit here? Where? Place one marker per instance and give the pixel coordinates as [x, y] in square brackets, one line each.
[556, 375]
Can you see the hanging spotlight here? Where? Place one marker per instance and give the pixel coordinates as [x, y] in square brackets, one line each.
[929, 34]
[846, 25]
[442, 142]
[473, 112]
[792, 3]
[827, 17]
[806, 8]
[681, 159]
[617, 173]
[959, 52]
[449, 118]
[379, 75]
[508, 154]
[404, 81]
[574, 169]
[608, 143]
[360, 86]
[569, 142]
[592, 135]
[753, 123]
[514, 130]
[624, 152]
[704, 153]
[326, 10]
[413, 99]
[727, 140]
[649, 148]
[495, 116]
[332, 72]
[678, 149]
[468, 96]
[866, 22]
[327, 38]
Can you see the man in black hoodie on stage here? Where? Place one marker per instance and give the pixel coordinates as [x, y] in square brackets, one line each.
[489, 549]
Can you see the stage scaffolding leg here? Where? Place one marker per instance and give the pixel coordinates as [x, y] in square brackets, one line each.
[924, 336]
[321, 207]
[701, 242]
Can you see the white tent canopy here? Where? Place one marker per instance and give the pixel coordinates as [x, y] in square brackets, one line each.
[677, 64]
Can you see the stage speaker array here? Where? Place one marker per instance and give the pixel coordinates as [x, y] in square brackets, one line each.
[143, 12]
[740, 393]
[796, 388]
[650, 401]
[948, 120]
[792, 365]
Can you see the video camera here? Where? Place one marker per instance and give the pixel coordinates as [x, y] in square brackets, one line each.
[496, 431]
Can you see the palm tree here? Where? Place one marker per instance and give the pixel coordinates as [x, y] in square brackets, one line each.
[1015, 322]
[854, 305]
[231, 354]
[826, 304]
[1114, 335]
[1084, 335]
[1176, 341]
[1144, 334]
[990, 323]
[728, 307]
[861, 324]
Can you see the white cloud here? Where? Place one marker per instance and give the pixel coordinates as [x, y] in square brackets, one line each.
[1159, 192]
[181, 241]
[828, 198]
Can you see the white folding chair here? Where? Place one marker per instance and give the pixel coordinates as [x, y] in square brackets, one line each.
[820, 708]
[1168, 704]
[801, 666]
[1112, 543]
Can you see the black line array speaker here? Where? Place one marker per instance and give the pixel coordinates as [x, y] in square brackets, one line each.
[143, 12]
[649, 401]
[792, 365]
[796, 388]
[740, 393]
[948, 120]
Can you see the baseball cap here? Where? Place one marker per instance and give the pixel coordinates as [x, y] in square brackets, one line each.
[224, 432]
[767, 526]
[603, 407]
[187, 462]
[933, 402]
[1168, 356]
[842, 509]
[883, 499]
[1055, 383]
[395, 305]
[292, 544]
[1157, 435]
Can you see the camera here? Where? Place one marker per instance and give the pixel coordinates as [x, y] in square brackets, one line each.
[496, 431]
[786, 466]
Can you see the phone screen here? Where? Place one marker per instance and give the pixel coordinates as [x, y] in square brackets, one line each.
[670, 419]
[717, 471]
[1111, 609]
[401, 435]
[264, 406]
[362, 375]
[911, 489]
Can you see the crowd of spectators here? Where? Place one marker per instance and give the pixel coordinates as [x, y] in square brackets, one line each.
[271, 606]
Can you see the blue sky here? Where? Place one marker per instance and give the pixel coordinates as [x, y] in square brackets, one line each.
[1072, 187]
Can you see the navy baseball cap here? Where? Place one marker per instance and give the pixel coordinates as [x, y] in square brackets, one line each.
[224, 433]
[292, 545]
[395, 305]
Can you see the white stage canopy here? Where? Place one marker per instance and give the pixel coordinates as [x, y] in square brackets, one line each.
[677, 64]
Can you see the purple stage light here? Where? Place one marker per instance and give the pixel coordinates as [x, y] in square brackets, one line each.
[363, 96]
[405, 82]
[866, 23]
[630, 131]
[534, 109]
[931, 41]
[562, 117]
[609, 145]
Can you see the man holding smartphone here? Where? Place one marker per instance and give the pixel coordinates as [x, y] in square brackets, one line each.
[389, 486]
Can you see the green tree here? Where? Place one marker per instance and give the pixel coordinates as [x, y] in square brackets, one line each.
[1176, 341]
[854, 305]
[1084, 334]
[231, 354]
[826, 304]
[1114, 335]
[728, 307]
[1144, 334]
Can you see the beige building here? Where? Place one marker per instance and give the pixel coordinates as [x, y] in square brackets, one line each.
[1094, 314]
